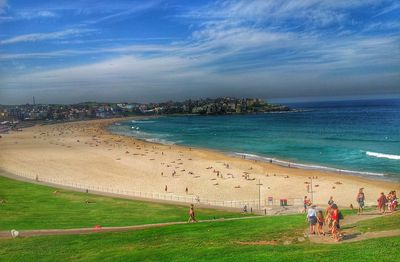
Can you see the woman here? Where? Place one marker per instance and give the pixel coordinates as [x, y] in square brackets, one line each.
[360, 201]
[335, 215]
[382, 203]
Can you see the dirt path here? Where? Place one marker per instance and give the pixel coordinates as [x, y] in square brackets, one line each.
[75, 231]
[350, 235]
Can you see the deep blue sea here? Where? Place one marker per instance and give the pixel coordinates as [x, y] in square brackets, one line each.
[361, 136]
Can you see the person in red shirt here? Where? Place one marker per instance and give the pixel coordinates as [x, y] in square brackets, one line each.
[382, 203]
[335, 216]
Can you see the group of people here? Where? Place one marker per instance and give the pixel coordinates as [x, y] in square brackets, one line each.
[317, 219]
[387, 202]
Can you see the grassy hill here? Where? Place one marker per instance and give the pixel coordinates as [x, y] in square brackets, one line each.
[278, 238]
[31, 206]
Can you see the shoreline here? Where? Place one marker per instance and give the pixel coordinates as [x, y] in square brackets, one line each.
[272, 160]
[87, 153]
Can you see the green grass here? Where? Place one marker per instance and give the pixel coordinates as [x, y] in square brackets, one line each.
[218, 241]
[31, 206]
[384, 223]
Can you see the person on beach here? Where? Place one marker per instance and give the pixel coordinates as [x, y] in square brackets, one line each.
[382, 203]
[320, 221]
[192, 217]
[360, 200]
[312, 218]
[335, 216]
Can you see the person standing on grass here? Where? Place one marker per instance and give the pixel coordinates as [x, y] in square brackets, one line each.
[335, 216]
[192, 217]
[382, 203]
[361, 200]
[312, 218]
[320, 221]
[328, 218]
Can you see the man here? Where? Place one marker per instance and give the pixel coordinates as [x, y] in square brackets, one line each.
[192, 217]
[330, 202]
[361, 200]
[312, 218]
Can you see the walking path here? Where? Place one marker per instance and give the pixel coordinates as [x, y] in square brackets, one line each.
[74, 231]
[350, 235]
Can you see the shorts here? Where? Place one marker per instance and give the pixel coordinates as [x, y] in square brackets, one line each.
[321, 223]
[312, 220]
[361, 204]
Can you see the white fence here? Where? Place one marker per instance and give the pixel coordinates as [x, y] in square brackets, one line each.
[250, 204]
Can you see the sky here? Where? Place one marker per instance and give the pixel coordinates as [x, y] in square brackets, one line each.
[158, 50]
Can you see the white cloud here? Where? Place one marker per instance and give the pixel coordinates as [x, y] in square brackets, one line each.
[45, 36]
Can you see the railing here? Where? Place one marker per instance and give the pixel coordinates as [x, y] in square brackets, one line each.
[250, 204]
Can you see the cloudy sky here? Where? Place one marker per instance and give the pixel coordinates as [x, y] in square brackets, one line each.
[153, 50]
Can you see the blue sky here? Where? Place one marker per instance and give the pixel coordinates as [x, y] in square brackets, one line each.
[155, 50]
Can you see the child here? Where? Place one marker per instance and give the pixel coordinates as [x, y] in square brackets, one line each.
[320, 221]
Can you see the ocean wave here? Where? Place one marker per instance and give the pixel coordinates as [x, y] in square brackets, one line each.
[306, 166]
[159, 141]
[381, 155]
[142, 121]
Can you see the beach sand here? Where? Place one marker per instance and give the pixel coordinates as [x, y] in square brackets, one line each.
[85, 153]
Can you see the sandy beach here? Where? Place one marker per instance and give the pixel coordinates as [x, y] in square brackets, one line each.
[85, 152]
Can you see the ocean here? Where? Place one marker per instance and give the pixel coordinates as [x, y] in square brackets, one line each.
[355, 137]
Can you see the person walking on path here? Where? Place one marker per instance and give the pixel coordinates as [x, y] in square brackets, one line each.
[312, 218]
[192, 217]
[335, 216]
[361, 201]
[382, 203]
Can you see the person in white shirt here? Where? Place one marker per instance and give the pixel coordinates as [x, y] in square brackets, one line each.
[312, 218]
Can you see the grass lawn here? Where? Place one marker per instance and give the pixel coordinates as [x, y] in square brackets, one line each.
[31, 206]
[278, 238]
[219, 241]
[389, 222]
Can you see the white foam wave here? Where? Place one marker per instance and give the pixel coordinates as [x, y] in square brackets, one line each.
[306, 166]
[159, 141]
[142, 121]
[381, 155]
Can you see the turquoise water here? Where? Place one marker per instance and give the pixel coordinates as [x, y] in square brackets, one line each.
[361, 136]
